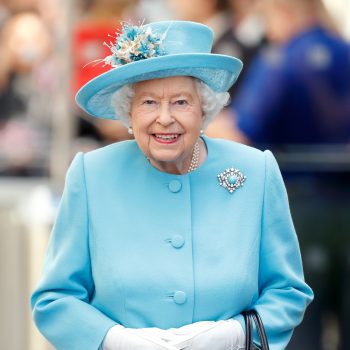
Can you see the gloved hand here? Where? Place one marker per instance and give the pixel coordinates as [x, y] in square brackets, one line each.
[207, 335]
[224, 335]
[175, 338]
[121, 338]
[204, 335]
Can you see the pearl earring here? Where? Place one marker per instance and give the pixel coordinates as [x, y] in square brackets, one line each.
[201, 131]
[130, 131]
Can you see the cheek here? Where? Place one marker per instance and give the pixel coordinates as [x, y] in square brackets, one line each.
[138, 121]
[197, 119]
[142, 138]
[139, 127]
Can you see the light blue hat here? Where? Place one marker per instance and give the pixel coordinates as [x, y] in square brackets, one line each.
[158, 50]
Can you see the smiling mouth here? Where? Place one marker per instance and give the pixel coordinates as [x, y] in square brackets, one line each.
[166, 138]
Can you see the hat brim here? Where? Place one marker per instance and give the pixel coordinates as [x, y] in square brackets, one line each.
[217, 71]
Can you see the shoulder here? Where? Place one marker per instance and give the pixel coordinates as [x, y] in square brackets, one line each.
[316, 48]
[228, 154]
[111, 155]
[260, 168]
[112, 149]
[229, 149]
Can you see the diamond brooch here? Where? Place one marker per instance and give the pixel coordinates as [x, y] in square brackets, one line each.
[231, 179]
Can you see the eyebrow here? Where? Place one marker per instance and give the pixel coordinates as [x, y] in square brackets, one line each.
[188, 94]
[182, 93]
[147, 94]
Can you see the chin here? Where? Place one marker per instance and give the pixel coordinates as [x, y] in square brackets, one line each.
[165, 155]
[164, 158]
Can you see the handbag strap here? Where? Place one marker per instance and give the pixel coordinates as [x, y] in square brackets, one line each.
[261, 329]
[248, 317]
[248, 334]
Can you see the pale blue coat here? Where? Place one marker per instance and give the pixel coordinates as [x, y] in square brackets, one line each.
[143, 248]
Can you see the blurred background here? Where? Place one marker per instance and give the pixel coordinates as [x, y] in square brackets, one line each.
[293, 97]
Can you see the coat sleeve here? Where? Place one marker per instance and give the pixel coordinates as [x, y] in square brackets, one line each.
[60, 304]
[283, 293]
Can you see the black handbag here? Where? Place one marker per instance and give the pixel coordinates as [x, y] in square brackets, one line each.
[250, 317]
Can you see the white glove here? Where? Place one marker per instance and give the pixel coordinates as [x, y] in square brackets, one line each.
[204, 335]
[224, 335]
[121, 338]
[175, 338]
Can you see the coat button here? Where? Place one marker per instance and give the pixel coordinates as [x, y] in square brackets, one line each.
[175, 186]
[180, 297]
[177, 241]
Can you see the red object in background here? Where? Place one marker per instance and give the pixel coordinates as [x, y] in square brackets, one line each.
[87, 47]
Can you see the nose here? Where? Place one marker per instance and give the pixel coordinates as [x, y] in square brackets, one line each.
[165, 114]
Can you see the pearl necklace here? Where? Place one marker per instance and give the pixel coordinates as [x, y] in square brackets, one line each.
[195, 158]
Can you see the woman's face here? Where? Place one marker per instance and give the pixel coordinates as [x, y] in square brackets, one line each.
[166, 117]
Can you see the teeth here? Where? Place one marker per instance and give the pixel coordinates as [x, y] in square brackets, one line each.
[166, 137]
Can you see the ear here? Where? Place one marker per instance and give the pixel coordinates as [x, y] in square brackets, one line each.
[203, 126]
[129, 119]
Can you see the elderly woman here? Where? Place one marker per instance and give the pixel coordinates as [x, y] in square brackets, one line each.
[157, 243]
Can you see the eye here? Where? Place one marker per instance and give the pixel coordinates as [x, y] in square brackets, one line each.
[149, 102]
[181, 102]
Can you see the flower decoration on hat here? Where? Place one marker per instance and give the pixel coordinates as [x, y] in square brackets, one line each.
[134, 43]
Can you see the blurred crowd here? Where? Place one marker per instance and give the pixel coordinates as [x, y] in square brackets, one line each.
[293, 97]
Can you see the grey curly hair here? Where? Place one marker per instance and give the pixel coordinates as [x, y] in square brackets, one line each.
[212, 102]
